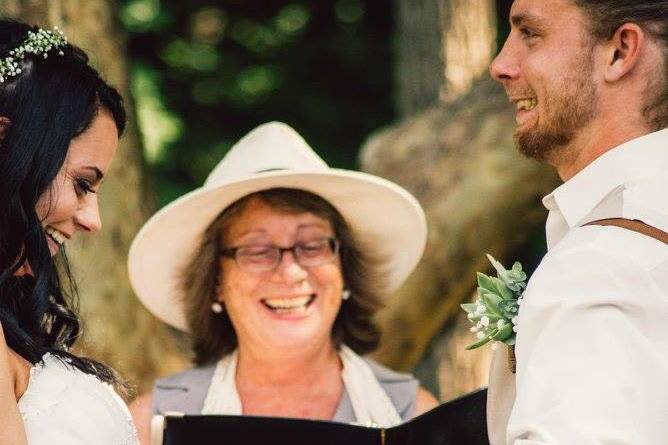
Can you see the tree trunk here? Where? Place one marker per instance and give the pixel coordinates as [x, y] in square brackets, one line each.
[419, 68]
[468, 43]
[116, 328]
[458, 159]
[439, 52]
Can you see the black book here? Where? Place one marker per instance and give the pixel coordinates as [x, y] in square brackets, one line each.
[461, 421]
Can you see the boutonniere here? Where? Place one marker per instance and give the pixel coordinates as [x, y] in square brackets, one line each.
[494, 314]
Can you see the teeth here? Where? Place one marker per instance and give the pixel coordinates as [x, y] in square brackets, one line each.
[526, 104]
[297, 310]
[288, 303]
[56, 235]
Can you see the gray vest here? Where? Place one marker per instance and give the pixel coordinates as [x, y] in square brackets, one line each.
[185, 392]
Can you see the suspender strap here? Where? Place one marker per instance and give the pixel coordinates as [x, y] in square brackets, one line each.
[633, 225]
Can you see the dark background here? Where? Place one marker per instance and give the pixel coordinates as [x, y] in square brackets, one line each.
[204, 73]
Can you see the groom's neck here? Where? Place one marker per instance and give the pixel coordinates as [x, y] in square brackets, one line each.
[601, 135]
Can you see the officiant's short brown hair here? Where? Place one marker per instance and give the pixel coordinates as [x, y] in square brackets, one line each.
[213, 335]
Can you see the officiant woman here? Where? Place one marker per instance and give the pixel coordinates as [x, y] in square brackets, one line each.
[276, 268]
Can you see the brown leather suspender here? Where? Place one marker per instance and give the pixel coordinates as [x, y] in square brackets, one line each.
[629, 224]
[634, 225]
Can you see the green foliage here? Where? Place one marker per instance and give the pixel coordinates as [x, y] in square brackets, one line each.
[495, 312]
[160, 127]
[142, 15]
[292, 19]
[206, 72]
[349, 11]
[189, 55]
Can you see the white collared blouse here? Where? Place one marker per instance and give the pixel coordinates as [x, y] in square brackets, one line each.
[592, 346]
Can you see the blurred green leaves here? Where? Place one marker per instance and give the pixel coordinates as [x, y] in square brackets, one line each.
[159, 126]
[208, 71]
[264, 38]
[292, 19]
[246, 88]
[194, 56]
[208, 25]
[256, 81]
[142, 15]
[349, 11]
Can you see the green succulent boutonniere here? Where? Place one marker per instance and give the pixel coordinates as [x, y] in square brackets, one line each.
[495, 312]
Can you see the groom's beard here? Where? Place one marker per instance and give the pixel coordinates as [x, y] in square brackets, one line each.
[568, 108]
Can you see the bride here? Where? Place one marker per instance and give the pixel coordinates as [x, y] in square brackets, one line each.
[59, 129]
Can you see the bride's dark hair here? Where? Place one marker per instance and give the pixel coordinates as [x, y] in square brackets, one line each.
[50, 102]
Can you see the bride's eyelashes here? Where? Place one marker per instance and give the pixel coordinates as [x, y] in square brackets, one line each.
[83, 186]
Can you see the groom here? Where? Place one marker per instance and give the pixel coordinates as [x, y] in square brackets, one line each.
[589, 79]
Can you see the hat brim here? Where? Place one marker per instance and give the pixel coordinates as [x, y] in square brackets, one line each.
[381, 213]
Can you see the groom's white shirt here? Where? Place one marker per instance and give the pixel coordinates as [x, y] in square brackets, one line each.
[592, 347]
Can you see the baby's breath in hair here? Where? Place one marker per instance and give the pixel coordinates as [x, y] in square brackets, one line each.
[38, 43]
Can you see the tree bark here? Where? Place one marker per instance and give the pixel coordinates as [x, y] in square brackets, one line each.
[116, 328]
[458, 158]
[442, 47]
[468, 43]
[419, 68]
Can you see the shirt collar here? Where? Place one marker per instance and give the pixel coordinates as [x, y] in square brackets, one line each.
[636, 159]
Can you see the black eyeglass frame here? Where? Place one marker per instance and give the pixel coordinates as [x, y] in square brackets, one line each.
[334, 246]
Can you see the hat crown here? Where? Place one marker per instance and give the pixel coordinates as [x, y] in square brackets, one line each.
[270, 147]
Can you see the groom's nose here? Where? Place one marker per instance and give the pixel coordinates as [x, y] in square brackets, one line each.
[505, 65]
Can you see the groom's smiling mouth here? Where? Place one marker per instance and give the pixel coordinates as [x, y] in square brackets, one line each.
[526, 104]
[523, 107]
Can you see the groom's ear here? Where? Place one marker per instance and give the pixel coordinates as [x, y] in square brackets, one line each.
[5, 123]
[623, 51]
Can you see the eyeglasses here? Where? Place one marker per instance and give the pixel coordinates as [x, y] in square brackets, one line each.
[265, 258]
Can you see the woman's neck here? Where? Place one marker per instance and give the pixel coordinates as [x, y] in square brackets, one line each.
[283, 368]
[294, 383]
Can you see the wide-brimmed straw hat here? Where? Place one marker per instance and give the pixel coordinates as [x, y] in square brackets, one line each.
[383, 214]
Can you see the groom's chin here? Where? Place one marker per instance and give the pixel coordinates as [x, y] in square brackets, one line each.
[540, 145]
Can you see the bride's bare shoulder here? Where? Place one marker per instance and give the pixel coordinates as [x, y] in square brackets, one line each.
[12, 431]
[15, 367]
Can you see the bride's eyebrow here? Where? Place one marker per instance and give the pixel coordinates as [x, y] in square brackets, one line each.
[96, 171]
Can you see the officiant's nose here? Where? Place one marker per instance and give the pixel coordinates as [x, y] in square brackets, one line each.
[290, 270]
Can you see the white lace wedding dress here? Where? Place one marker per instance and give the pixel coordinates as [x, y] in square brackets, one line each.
[63, 405]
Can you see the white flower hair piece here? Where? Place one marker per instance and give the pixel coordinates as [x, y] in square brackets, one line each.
[39, 42]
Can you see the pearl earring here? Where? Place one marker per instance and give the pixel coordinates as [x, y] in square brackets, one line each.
[345, 294]
[216, 307]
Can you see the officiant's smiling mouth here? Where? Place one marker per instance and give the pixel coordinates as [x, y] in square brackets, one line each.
[289, 306]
